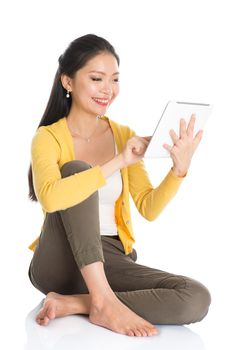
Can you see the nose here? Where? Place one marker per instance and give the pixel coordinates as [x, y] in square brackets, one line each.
[107, 88]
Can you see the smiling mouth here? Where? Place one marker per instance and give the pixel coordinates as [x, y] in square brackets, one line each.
[101, 101]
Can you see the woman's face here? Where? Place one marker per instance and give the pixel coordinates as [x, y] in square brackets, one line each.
[95, 86]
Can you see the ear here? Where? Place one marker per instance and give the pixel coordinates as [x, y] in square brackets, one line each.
[66, 82]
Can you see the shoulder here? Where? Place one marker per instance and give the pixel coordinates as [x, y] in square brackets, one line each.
[46, 137]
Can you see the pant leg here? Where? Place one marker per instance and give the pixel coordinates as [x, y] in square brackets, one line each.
[70, 239]
[157, 296]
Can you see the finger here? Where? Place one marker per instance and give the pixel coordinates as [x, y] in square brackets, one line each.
[182, 128]
[197, 138]
[191, 124]
[138, 147]
[174, 136]
[144, 141]
[167, 147]
[148, 138]
[139, 140]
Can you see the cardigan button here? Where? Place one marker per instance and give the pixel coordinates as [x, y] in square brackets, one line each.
[128, 222]
[123, 203]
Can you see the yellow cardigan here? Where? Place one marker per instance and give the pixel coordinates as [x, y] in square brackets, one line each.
[52, 146]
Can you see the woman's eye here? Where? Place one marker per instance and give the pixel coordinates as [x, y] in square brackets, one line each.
[96, 79]
[99, 79]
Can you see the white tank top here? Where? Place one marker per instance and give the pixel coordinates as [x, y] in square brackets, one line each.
[108, 195]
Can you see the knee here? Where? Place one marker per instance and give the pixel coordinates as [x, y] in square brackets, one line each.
[197, 303]
[74, 166]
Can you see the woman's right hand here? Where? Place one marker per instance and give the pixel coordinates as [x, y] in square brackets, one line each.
[134, 149]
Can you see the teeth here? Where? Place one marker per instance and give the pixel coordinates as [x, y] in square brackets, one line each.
[99, 100]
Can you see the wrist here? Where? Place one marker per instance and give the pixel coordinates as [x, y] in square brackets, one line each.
[179, 173]
[121, 160]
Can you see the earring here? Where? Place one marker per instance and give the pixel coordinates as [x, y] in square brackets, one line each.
[67, 95]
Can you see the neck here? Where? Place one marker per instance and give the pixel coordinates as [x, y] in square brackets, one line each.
[82, 122]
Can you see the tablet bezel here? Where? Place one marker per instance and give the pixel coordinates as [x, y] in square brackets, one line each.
[187, 108]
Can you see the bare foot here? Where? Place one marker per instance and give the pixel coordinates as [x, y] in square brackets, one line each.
[58, 305]
[109, 314]
[116, 316]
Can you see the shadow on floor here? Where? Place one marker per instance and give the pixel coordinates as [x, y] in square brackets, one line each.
[75, 331]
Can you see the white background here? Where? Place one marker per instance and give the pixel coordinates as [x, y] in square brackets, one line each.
[169, 50]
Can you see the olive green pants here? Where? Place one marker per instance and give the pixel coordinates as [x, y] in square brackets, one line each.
[71, 239]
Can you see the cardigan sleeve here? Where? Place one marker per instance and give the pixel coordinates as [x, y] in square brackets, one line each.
[52, 191]
[150, 201]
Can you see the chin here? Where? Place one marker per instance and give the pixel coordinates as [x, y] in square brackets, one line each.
[101, 111]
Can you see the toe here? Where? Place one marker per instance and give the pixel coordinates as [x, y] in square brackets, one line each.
[144, 331]
[151, 331]
[41, 313]
[130, 333]
[137, 332]
[51, 313]
[151, 327]
[38, 320]
[45, 321]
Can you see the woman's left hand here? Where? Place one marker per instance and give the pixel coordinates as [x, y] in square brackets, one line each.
[184, 146]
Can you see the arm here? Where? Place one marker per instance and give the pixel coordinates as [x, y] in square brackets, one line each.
[151, 201]
[57, 193]
[113, 165]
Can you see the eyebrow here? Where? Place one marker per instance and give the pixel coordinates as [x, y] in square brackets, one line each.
[96, 71]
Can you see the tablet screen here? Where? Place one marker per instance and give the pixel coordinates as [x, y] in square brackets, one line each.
[170, 119]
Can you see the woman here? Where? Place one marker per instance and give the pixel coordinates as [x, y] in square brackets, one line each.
[83, 166]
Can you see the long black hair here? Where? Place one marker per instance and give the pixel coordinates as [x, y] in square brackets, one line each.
[77, 54]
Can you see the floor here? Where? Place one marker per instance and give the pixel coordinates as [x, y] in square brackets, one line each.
[72, 331]
[22, 332]
[20, 303]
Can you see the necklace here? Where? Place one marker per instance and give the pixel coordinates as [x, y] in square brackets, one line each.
[86, 138]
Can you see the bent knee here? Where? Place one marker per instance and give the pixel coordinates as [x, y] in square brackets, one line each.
[74, 166]
[197, 303]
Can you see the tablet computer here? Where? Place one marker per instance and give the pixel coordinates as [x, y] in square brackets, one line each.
[170, 119]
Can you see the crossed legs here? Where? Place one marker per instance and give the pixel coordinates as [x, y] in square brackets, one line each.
[84, 272]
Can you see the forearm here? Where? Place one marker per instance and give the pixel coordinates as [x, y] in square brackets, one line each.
[151, 201]
[113, 165]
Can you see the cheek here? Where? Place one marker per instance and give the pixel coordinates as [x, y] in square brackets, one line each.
[115, 91]
[90, 90]
[86, 90]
